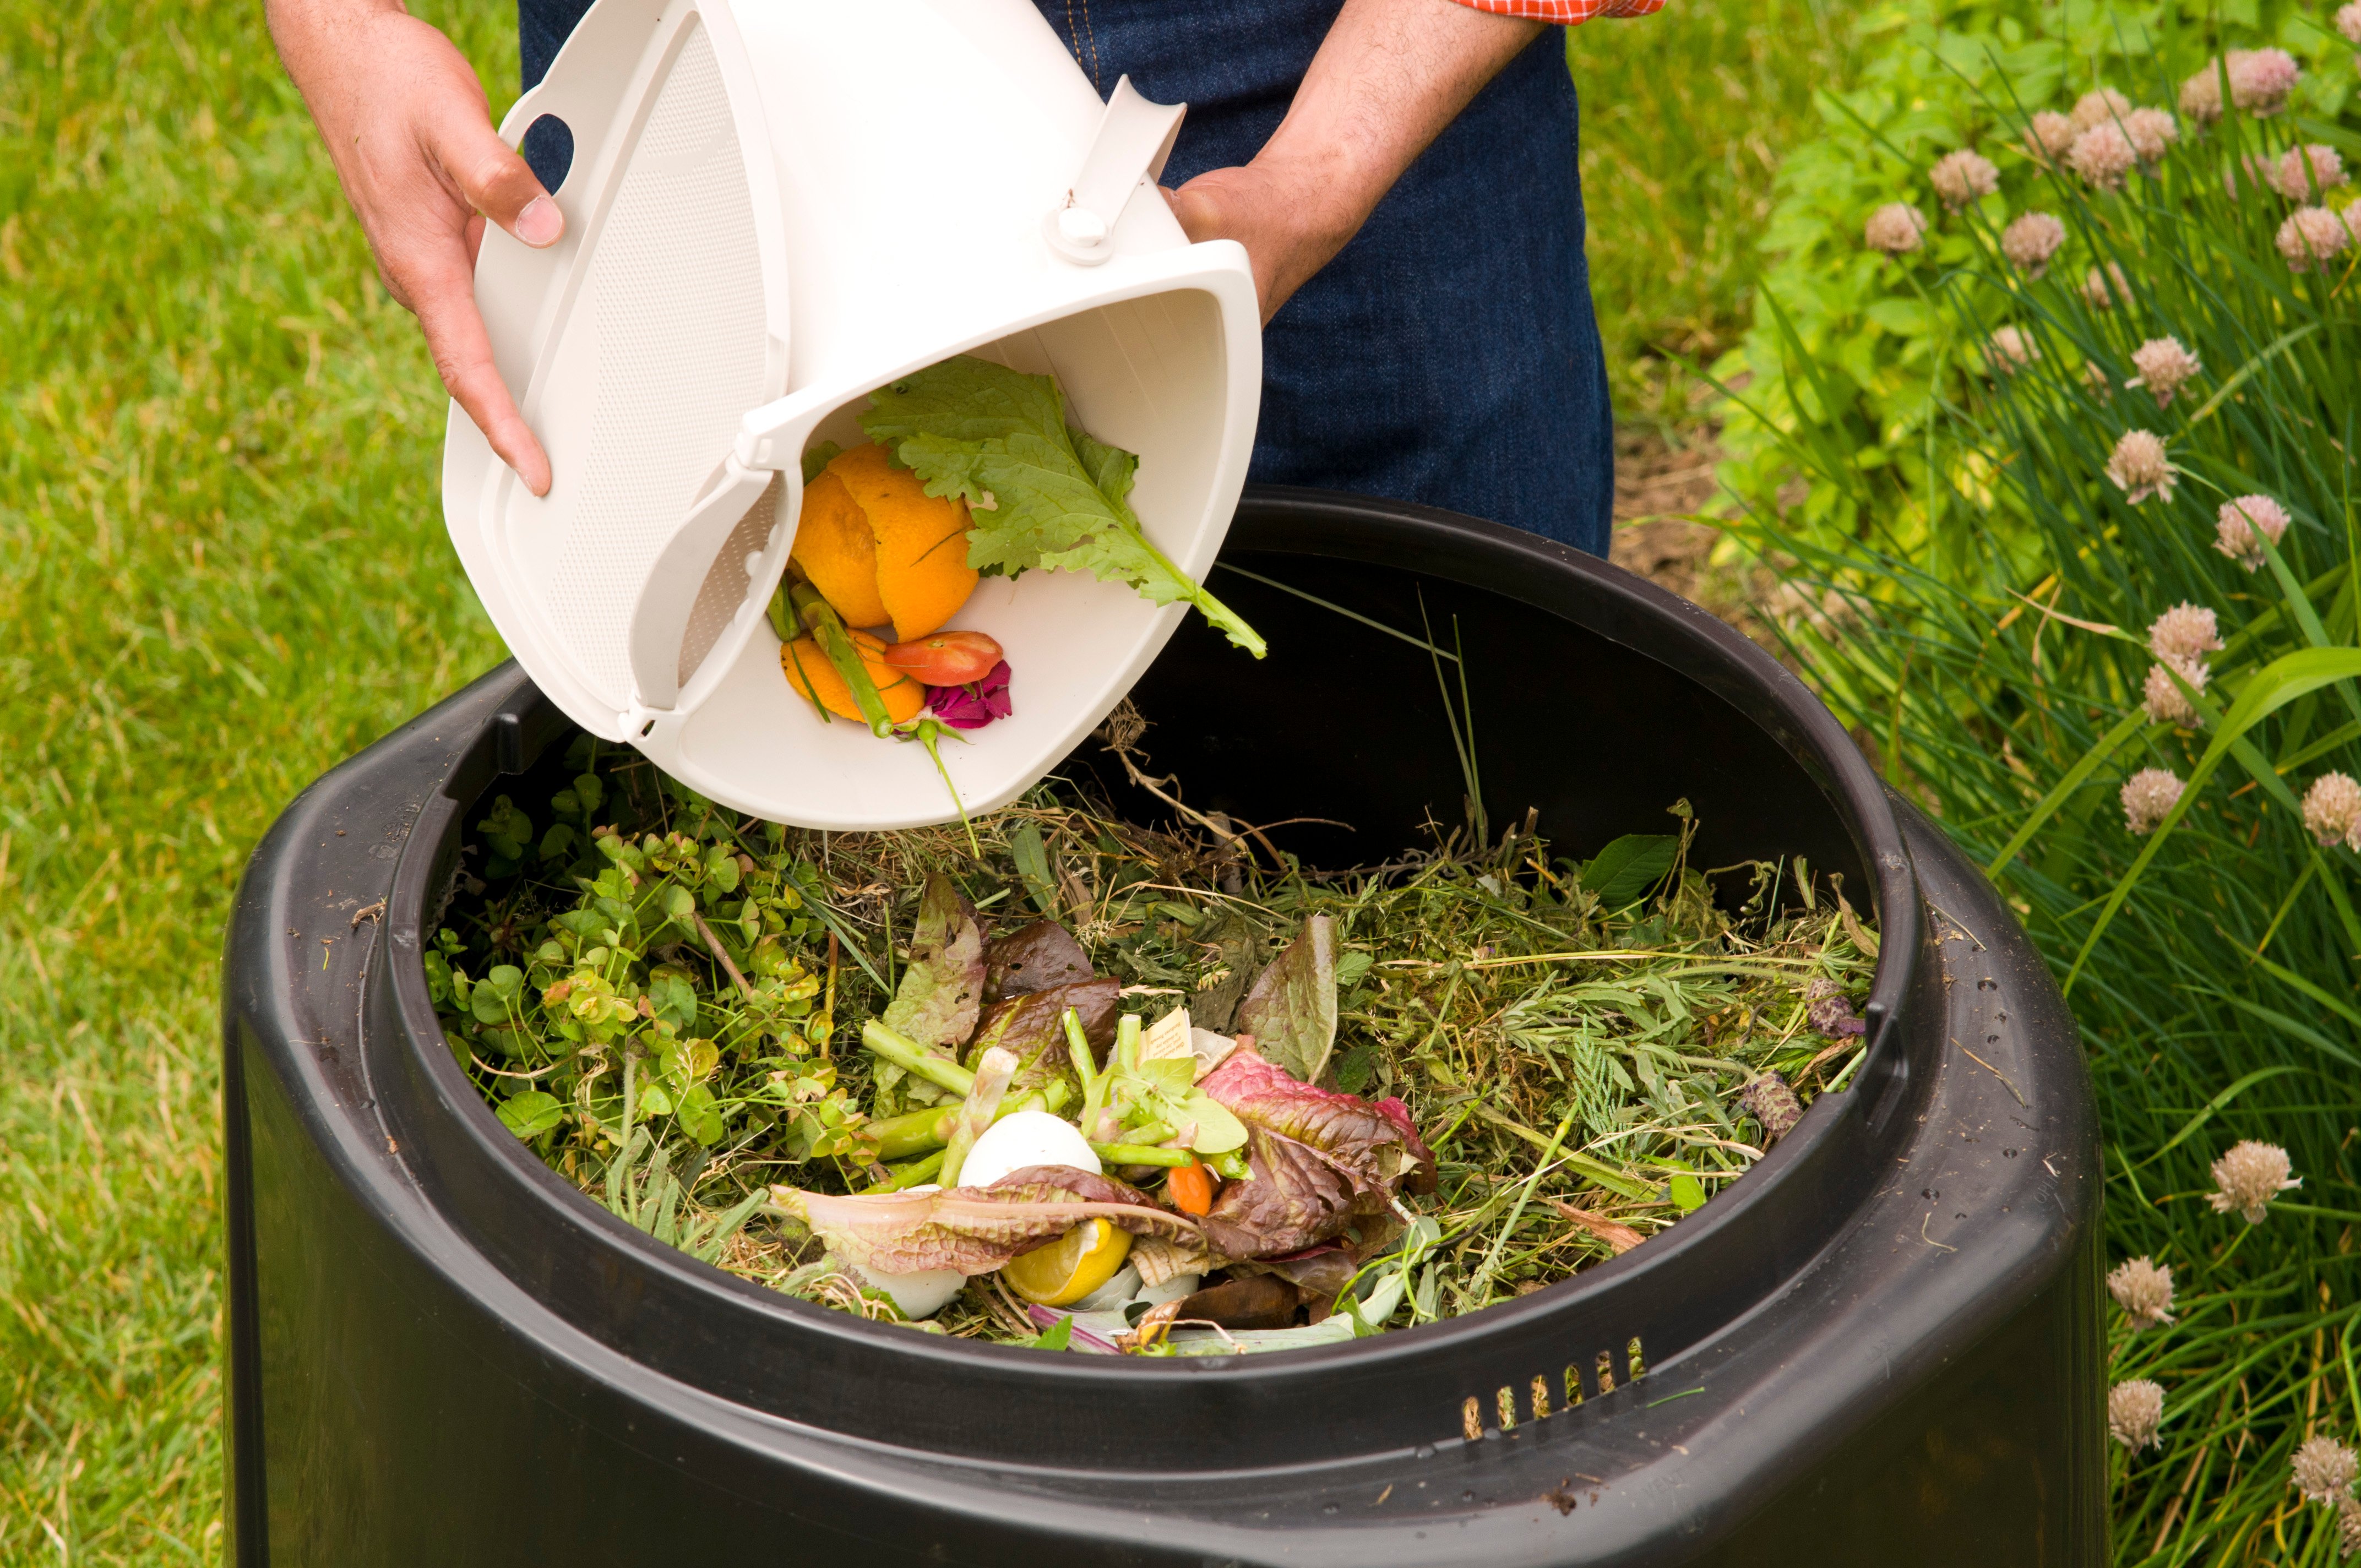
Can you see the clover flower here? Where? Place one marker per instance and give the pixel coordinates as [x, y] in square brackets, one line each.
[2324, 1470]
[1894, 228]
[1830, 1011]
[2164, 367]
[2009, 351]
[2261, 79]
[2144, 1290]
[2151, 131]
[1960, 177]
[2096, 381]
[2049, 136]
[2312, 235]
[2139, 468]
[2348, 1507]
[2348, 22]
[2105, 291]
[2184, 632]
[2332, 809]
[2302, 172]
[1770, 1102]
[2098, 106]
[2031, 240]
[2101, 156]
[2237, 522]
[2148, 797]
[2201, 95]
[2162, 695]
[2250, 1176]
[2135, 1410]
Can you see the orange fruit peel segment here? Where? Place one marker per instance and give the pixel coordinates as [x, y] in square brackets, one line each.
[837, 550]
[814, 678]
[880, 549]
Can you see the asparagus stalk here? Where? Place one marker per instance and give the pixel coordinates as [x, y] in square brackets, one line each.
[907, 1055]
[992, 1075]
[912, 1174]
[1141, 1153]
[827, 630]
[899, 1137]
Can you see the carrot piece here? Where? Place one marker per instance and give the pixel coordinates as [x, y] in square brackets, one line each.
[1191, 1187]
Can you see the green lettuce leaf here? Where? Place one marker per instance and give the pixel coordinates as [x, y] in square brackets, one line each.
[1041, 493]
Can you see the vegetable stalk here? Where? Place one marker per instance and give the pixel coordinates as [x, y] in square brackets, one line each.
[827, 630]
[992, 1075]
[1141, 1153]
[913, 1174]
[906, 1054]
[899, 1137]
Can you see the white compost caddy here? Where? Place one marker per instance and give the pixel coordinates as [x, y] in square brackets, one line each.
[775, 207]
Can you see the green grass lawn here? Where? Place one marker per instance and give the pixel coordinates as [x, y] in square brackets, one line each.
[223, 569]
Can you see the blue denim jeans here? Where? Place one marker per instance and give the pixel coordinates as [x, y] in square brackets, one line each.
[1448, 355]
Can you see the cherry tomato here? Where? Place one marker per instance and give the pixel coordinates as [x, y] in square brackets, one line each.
[1191, 1187]
[946, 658]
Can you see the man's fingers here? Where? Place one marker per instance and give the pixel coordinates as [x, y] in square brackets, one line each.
[463, 356]
[497, 183]
[1199, 213]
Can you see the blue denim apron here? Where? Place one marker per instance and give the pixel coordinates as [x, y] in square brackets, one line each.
[1448, 355]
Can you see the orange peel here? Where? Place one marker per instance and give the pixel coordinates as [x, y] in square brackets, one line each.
[812, 676]
[880, 549]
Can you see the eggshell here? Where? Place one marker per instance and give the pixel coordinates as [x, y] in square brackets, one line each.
[922, 1294]
[1029, 1137]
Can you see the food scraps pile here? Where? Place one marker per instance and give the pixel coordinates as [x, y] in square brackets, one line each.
[1083, 1085]
[971, 469]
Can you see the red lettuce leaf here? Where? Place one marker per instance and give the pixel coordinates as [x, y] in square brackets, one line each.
[1031, 1028]
[1035, 959]
[1377, 1145]
[1296, 1198]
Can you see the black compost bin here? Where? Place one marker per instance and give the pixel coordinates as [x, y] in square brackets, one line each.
[1882, 1346]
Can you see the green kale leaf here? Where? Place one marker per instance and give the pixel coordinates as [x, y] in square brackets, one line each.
[1040, 492]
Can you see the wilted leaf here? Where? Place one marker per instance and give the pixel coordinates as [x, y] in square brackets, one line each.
[1042, 955]
[975, 1229]
[1292, 1009]
[1629, 867]
[1031, 1028]
[1258, 1301]
[1215, 1005]
[942, 989]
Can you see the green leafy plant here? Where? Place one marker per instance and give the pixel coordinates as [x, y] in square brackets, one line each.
[2107, 633]
[1837, 419]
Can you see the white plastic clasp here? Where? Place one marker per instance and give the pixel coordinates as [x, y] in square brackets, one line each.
[1127, 151]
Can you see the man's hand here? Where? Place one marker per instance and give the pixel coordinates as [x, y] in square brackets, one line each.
[410, 132]
[1388, 77]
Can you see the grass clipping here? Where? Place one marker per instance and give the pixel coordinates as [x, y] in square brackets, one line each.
[666, 1003]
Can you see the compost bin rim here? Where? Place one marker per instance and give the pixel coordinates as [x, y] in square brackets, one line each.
[1283, 522]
